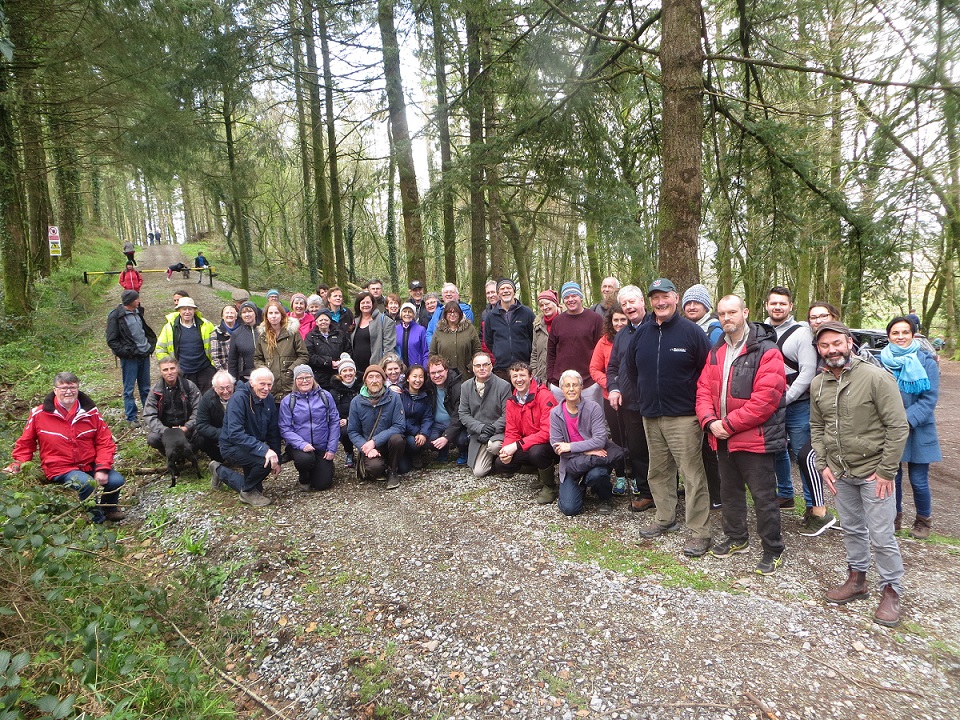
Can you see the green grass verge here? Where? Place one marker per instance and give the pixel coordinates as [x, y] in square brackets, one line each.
[82, 631]
[595, 547]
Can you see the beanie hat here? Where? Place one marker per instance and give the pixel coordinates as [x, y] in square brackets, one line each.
[549, 295]
[298, 295]
[347, 361]
[273, 291]
[302, 370]
[248, 304]
[506, 281]
[408, 305]
[128, 296]
[374, 370]
[570, 288]
[698, 293]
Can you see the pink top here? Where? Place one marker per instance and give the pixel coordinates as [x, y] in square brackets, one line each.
[571, 422]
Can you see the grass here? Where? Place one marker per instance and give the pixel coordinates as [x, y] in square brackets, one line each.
[560, 687]
[270, 273]
[375, 676]
[592, 546]
[92, 635]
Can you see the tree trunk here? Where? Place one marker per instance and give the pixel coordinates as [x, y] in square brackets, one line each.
[67, 181]
[446, 157]
[236, 205]
[16, 279]
[391, 229]
[474, 108]
[681, 195]
[336, 201]
[308, 228]
[325, 257]
[403, 150]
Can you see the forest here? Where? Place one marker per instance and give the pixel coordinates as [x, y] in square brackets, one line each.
[742, 144]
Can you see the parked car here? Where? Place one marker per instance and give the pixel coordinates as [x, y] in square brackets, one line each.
[876, 340]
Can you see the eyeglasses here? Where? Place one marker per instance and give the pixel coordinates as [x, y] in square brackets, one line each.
[824, 316]
[483, 365]
[68, 389]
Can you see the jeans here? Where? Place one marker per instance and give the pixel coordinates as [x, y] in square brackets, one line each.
[798, 435]
[254, 473]
[919, 480]
[461, 442]
[677, 442]
[572, 490]
[740, 471]
[85, 484]
[868, 525]
[134, 371]
[636, 447]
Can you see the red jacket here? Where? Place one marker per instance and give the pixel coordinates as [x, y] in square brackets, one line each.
[83, 442]
[599, 362]
[131, 280]
[755, 390]
[529, 424]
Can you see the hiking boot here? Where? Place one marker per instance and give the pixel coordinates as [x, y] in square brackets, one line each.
[215, 481]
[728, 547]
[786, 503]
[642, 504]
[393, 482]
[620, 486]
[255, 498]
[547, 495]
[817, 525]
[605, 508]
[115, 515]
[898, 522]
[634, 486]
[461, 460]
[348, 463]
[921, 527]
[697, 547]
[655, 529]
[304, 487]
[715, 506]
[769, 563]
[416, 460]
[854, 588]
[888, 612]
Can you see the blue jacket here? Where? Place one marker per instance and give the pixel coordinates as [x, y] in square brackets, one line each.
[249, 425]
[666, 360]
[923, 445]
[511, 341]
[438, 313]
[617, 377]
[362, 421]
[418, 410]
[310, 418]
[418, 350]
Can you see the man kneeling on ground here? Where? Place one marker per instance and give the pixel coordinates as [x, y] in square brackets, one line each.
[250, 439]
[76, 446]
[376, 425]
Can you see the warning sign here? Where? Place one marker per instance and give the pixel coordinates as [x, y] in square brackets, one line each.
[53, 237]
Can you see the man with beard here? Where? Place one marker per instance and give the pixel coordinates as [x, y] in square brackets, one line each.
[859, 430]
[740, 407]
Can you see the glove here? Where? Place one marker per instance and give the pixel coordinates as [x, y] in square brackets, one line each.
[486, 433]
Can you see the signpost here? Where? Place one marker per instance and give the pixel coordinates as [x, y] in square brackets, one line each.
[53, 237]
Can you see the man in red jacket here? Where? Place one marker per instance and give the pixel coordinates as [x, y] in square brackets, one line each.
[76, 446]
[526, 438]
[740, 407]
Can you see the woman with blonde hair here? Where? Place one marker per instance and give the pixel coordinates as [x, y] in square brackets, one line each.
[279, 348]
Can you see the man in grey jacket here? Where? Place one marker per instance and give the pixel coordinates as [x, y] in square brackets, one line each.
[483, 402]
[800, 365]
[859, 429]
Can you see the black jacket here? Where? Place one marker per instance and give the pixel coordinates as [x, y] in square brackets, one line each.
[451, 403]
[242, 344]
[322, 351]
[119, 338]
[210, 417]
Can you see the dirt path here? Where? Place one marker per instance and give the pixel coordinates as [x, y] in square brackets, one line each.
[458, 597]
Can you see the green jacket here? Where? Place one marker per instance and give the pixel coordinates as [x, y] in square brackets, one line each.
[168, 339]
[857, 422]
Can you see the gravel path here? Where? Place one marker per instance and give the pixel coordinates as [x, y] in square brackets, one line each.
[459, 597]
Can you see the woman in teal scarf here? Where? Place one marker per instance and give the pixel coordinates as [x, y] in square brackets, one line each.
[918, 378]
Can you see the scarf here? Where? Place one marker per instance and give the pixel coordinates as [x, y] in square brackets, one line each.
[906, 367]
[548, 321]
[365, 391]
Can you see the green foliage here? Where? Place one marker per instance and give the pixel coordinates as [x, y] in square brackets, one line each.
[374, 676]
[93, 635]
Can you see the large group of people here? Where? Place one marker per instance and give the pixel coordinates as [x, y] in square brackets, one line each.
[675, 400]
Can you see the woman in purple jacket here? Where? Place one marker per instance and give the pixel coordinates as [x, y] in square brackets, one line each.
[310, 426]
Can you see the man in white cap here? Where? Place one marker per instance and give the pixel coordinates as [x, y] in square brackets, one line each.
[186, 337]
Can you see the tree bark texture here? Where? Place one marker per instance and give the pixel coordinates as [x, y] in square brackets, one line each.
[402, 148]
[446, 156]
[325, 257]
[681, 195]
[336, 200]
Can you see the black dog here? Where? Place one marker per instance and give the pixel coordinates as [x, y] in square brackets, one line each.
[178, 451]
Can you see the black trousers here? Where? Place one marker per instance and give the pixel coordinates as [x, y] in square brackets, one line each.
[389, 459]
[636, 444]
[756, 471]
[314, 470]
[540, 456]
